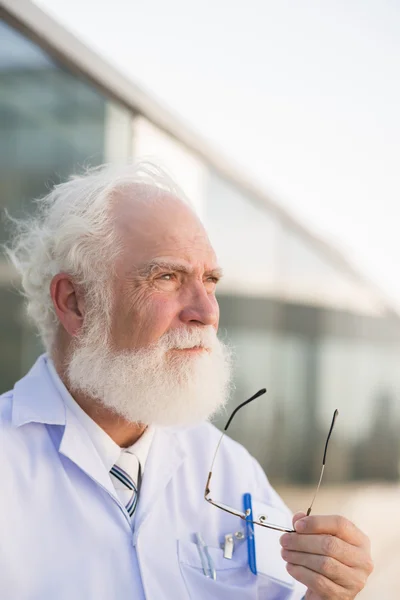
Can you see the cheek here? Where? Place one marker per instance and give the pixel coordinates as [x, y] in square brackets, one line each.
[155, 317]
[161, 312]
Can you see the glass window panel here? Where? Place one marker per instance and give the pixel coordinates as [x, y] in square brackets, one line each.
[245, 238]
[52, 122]
[307, 275]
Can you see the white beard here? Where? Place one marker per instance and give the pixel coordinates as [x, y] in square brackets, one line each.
[154, 385]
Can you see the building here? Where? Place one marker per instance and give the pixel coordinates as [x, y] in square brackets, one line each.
[304, 323]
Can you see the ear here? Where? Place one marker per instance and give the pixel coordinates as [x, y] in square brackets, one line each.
[68, 303]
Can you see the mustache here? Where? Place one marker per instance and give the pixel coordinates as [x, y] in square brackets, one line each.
[189, 338]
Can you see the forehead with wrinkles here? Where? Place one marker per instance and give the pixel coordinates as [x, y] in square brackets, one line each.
[152, 223]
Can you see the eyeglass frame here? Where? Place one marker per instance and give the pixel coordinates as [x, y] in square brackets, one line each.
[244, 515]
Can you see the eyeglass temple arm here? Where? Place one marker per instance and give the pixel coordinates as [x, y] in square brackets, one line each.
[257, 395]
[335, 414]
[207, 488]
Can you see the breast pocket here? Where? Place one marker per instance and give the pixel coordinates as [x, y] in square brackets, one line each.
[234, 580]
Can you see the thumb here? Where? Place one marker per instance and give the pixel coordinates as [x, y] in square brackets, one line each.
[298, 516]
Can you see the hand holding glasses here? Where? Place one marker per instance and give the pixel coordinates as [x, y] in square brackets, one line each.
[243, 515]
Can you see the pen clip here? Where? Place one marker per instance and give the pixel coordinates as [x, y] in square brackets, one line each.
[228, 546]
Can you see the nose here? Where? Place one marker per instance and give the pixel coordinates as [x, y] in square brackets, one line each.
[200, 308]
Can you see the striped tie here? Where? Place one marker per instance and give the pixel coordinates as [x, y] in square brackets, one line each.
[126, 477]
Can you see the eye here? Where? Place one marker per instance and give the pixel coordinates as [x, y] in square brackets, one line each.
[213, 279]
[167, 281]
[210, 283]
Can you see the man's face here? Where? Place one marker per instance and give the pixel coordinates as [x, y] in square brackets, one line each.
[161, 361]
[166, 276]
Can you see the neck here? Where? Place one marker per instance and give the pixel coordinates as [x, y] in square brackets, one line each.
[122, 432]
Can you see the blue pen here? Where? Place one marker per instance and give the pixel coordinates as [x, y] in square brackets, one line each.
[251, 545]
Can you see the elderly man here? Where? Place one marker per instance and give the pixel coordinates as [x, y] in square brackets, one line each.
[105, 447]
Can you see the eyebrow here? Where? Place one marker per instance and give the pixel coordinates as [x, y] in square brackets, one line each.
[170, 265]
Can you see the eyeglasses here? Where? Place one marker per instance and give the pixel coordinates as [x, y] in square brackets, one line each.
[244, 515]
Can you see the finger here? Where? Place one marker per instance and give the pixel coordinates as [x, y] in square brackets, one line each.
[315, 582]
[334, 525]
[297, 516]
[331, 568]
[325, 545]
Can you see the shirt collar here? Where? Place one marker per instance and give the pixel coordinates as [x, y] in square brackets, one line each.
[141, 447]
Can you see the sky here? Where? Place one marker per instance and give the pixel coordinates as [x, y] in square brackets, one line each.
[304, 95]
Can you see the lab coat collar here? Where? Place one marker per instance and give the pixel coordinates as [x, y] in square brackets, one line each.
[77, 445]
[36, 400]
[165, 457]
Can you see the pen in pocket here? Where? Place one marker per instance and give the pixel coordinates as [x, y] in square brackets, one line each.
[205, 557]
[251, 544]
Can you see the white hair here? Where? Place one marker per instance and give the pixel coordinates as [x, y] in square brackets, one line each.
[72, 231]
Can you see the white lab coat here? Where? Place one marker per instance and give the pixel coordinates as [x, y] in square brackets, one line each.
[65, 536]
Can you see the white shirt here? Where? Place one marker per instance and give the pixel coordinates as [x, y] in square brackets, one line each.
[106, 448]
